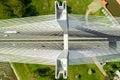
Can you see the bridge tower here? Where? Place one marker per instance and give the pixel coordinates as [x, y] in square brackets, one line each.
[62, 19]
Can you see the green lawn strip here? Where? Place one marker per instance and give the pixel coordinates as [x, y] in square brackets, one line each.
[25, 70]
[22, 71]
[44, 6]
[83, 71]
[77, 6]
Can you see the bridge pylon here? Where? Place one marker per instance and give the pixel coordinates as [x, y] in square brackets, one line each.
[62, 19]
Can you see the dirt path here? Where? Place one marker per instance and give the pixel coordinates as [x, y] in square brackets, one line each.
[118, 1]
[100, 67]
[14, 71]
[93, 7]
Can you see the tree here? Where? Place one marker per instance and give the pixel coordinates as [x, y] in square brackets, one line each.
[91, 71]
[78, 77]
[16, 8]
[69, 9]
[30, 11]
[26, 2]
[43, 71]
[5, 12]
[11, 8]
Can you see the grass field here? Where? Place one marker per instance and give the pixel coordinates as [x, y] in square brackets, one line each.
[44, 6]
[40, 7]
[25, 72]
[76, 7]
[83, 71]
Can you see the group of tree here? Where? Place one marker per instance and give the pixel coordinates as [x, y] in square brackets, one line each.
[111, 67]
[46, 72]
[16, 8]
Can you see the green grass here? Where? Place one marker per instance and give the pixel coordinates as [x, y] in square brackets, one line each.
[22, 71]
[111, 67]
[83, 71]
[25, 71]
[77, 6]
[41, 7]
[44, 6]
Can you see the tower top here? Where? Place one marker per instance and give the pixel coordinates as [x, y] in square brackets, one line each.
[61, 10]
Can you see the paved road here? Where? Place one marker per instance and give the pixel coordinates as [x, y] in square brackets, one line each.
[48, 52]
[42, 41]
[101, 69]
[77, 27]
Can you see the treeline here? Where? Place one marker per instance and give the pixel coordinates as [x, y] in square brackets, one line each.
[111, 68]
[16, 8]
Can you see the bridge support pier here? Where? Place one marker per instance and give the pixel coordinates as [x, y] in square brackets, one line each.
[62, 19]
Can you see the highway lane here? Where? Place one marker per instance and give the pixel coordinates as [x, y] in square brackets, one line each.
[42, 42]
[54, 44]
[77, 27]
[46, 49]
[58, 45]
[74, 42]
[43, 53]
[46, 37]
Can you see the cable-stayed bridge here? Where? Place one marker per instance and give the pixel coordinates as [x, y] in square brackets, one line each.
[59, 39]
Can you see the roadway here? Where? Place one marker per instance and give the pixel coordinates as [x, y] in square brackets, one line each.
[42, 42]
[76, 28]
[40, 52]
